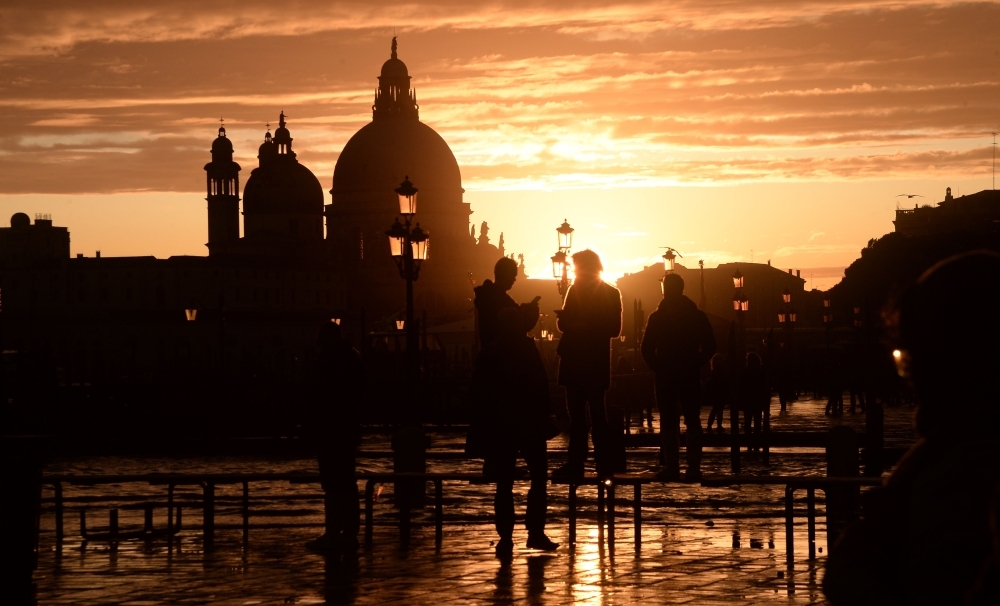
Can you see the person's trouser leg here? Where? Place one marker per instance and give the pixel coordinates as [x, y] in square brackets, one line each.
[576, 406]
[670, 438]
[340, 502]
[503, 500]
[600, 431]
[712, 414]
[691, 406]
[536, 457]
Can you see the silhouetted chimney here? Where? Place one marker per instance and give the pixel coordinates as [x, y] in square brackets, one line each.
[798, 273]
[98, 255]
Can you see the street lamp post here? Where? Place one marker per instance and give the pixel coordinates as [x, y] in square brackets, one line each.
[740, 303]
[827, 319]
[560, 260]
[787, 315]
[408, 246]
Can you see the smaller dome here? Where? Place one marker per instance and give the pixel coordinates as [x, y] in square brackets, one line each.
[393, 69]
[222, 144]
[266, 149]
[20, 220]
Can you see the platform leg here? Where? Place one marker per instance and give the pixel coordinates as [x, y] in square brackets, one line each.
[438, 512]
[59, 514]
[369, 510]
[572, 514]
[789, 526]
[811, 521]
[611, 515]
[246, 511]
[637, 514]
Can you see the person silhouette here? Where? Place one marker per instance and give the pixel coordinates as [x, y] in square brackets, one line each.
[332, 425]
[677, 342]
[491, 297]
[717, 390]
[512, 392]
[591, 316]
[925, 536]
[754, 397]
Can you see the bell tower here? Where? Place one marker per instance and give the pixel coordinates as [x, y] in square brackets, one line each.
[223, 183]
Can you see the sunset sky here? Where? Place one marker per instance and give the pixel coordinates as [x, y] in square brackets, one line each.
[724, 129]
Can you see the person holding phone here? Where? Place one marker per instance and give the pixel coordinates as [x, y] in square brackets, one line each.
[492, 296]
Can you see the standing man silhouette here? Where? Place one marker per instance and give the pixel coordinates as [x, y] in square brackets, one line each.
[333, 426]
[513, 405]
[678, 340]
[591, 316]
[491, 297]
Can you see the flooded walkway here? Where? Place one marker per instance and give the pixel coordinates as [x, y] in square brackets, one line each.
[699, 545]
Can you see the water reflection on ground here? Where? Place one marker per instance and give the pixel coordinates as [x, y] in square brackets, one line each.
[699, 545]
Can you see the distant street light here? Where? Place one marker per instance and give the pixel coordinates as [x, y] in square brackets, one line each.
[565, 236]
[560, 270]
[670, 258]
[740, 303]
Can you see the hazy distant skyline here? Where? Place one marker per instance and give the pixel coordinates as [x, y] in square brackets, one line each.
[714, 127]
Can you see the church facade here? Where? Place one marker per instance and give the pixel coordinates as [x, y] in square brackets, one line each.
[260, 296]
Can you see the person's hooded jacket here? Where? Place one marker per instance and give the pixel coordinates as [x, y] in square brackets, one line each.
[678, 340]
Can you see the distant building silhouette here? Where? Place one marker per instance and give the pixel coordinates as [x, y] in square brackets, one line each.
[978, 212]
[260, 296]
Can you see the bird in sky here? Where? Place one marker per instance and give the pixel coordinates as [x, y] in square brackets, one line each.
[910, 195]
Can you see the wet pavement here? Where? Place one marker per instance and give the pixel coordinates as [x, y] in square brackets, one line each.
[699, 545]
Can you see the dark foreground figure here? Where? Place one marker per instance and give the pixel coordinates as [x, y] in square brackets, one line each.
[511, 392]
[491, 297]
[333, 427]
[589, 319]
[677, 342]
[929, 535]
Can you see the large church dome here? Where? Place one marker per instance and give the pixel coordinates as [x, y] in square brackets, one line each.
[380, 155]
[396, 144]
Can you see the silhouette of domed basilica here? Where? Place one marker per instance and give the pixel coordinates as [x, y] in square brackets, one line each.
[260, 295]
[283, 206]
